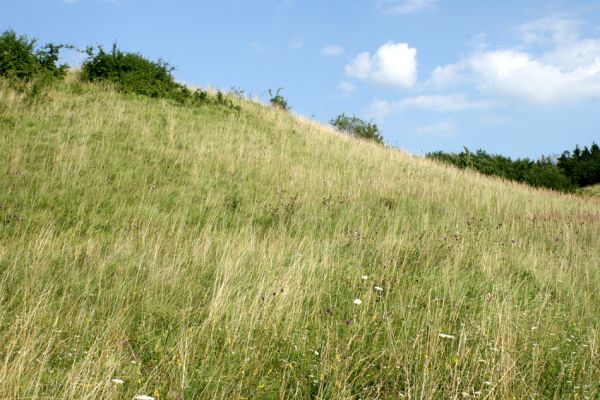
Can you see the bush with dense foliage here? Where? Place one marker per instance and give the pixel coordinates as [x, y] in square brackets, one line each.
[541, 173]
[355, 126]
[19, 58]
[133, 73]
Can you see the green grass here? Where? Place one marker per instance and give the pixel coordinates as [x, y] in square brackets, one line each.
[590, 191]
[203, 253]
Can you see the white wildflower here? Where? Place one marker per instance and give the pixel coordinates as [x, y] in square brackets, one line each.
[117, 381]
[143, 397]
[446, 336]
[378, 288]
[316, 353]
[364, 277]
[358, 302]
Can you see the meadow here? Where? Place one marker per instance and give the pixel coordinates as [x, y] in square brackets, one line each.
[149, 248]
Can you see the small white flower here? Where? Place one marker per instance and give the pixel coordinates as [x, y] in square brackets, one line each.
[142, 397]
[358, 302]
[316, 353]
[117, 381]
[378, 288]
[364, 277]
[446, 336]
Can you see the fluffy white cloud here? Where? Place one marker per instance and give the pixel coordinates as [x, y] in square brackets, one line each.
[438, 103]
[517, 74]
[393, 64]
[404, 6]
[568, 71]
[332, 50]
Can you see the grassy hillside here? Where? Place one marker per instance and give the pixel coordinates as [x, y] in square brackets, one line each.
[203, 253]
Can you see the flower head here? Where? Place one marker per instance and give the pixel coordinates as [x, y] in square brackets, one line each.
[358, 302]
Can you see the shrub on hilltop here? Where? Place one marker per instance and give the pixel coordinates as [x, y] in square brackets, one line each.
[19, 58]
[356, 127]
[133, 73]
[130, 72]
[277, 100]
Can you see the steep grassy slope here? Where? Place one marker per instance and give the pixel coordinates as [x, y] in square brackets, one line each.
[199, 253]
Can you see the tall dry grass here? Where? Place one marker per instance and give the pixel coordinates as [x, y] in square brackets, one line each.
[201, 253]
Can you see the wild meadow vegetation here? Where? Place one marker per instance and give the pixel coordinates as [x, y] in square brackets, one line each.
[178, 251]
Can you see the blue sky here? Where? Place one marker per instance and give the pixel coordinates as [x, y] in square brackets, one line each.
[519, 78]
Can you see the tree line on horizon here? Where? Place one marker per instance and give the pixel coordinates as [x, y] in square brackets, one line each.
[572, 170]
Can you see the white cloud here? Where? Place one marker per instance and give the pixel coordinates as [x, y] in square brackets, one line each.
[441, 103]
[332, 50]
[394, 64]
[346, 88]
[517, 74]
[438, 103]
[549, 30]
[404, 6]
[573, 55]
[440, 129]
[568, 71]
[451, 74]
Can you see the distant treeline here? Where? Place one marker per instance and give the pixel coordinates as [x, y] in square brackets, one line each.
[570, 171]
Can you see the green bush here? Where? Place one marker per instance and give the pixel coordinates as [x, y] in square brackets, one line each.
[133, 73]
[277, 100]
[20, 60]
[355, 126]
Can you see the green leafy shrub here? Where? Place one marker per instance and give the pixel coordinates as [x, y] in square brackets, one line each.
[133, 73]
[277, 100]
[20, 60]
[356, 127]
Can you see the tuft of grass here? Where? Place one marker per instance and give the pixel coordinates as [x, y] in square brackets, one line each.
[196, 253]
